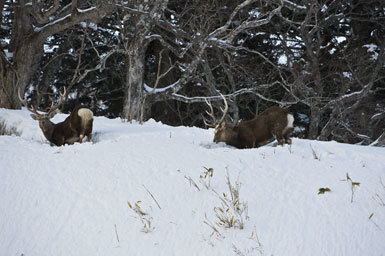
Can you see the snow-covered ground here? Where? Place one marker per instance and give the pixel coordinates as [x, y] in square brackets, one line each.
[75, 200]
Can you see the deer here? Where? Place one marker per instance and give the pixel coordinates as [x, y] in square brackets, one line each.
[73, 129]
[273, 123]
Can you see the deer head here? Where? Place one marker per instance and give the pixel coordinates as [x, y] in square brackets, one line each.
[222, 132]
[44, 118]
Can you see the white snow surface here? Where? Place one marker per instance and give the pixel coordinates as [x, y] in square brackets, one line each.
[73, 200]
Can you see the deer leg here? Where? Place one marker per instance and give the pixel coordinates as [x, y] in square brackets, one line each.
[280, 139]
[81, 138]
[286, 133]
[88, 132]
[60, 142]
[287, 140]
[286, 137]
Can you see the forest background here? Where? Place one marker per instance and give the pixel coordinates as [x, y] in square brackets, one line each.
[162, 59]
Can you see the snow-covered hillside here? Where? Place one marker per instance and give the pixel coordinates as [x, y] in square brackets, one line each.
[75, 200]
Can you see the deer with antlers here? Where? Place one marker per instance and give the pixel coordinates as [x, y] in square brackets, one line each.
[73, 129]
[274, 122]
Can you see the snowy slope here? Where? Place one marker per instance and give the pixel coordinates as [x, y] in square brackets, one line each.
[73, 200]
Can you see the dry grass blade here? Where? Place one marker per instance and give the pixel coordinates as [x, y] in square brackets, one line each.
[314, 153]
[192, 182]
[152, 196]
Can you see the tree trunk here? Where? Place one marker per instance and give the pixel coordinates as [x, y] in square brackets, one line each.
[16, 71]
[133, 99]
[8, 80]
[314, 122]
[19, 74]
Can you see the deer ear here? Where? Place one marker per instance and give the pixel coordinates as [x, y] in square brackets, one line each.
[34, 117]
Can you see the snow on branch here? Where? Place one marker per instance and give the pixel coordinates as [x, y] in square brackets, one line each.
[380, 141]
[154, 90]
[86, 10]
[358, 96]
[195, 99]
[131, 10]
[43, 17]
[252, 24]
[38, 29]
[102, 63]
[71, 17]
[223, 28]
[293, 6]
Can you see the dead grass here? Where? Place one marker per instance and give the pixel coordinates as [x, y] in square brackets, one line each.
[232, 213]
[7, 130]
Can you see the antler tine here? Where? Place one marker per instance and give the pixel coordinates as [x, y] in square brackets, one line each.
[53, 106]
[224, 111]
[211, 114]
[24, 102]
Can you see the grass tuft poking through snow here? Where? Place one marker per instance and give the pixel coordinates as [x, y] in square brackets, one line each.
[8, 130]
[143, 217]
[233, 212]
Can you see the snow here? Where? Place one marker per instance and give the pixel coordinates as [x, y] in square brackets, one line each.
[282, 60]
[91, 25]
[8, 55]
[50, 48]
[372, 49]
[73, 200]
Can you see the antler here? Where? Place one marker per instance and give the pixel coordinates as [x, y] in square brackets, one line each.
[24, 102]
[211, 113]
[54, 107]
[224, 111]
[51, 109]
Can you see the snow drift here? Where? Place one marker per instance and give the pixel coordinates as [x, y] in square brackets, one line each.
[75, 200]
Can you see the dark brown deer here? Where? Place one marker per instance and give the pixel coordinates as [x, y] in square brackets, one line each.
[73, 129]
[274, 122]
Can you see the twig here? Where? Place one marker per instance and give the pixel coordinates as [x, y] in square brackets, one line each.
[75, 77]
[151, 196]
[116, 232]
[192, 182]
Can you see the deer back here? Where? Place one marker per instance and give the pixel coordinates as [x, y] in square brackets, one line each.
[74, 127]
[274, 122]
[264, 127]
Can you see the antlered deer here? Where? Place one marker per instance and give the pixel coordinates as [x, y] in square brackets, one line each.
[274, 122]
[73, 129]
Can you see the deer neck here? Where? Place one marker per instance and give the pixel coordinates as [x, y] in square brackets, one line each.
[233, 140]
[231, 137]
[47, 128]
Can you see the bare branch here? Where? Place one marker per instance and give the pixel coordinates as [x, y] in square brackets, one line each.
[43, 17]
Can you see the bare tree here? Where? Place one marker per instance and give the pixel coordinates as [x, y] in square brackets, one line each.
[32, 23]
